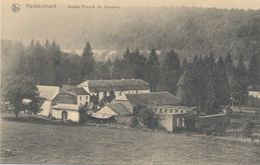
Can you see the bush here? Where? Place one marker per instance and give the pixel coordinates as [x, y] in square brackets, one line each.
[133, 122]
[148, 118]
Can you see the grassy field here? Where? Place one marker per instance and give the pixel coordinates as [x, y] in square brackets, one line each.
[23, 142]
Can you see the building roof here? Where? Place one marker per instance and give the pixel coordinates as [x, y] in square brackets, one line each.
[153, 98]
[101, 116]
[65, 98]
[119, 108]
[255, 94]
[115, 85]
[48, 92]
[74, 90]
[66, 106]
[80, 91]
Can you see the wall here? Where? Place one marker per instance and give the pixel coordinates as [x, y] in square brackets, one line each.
[82, 99]
[72, 115]
[166, 122]
[46, 108]
[170, 109]
[172, 122]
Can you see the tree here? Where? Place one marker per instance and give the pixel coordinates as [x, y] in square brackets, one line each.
[184, 87]
[254, 70]
[153, 70]
[212, 105]
[117, 69]
[139, 65]
[148, 118]
[223, 89]
[88, 62]
[102, 71]
[229, 67]
[184, 65]
[240, 83]
[128, 64]
[171, 72]
[192, 84]
[19, 87]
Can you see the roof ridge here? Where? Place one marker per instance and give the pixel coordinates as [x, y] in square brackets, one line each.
[148, 93]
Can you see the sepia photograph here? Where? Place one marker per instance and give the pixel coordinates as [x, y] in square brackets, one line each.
[118, 82]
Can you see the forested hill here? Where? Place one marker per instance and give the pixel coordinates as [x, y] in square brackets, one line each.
[192, 30]
[189, 30]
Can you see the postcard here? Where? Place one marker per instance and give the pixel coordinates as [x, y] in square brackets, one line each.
[130, 82]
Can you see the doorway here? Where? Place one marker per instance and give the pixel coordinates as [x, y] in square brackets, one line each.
[64, 115]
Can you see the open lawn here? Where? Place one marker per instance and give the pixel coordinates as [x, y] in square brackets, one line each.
[24, 142]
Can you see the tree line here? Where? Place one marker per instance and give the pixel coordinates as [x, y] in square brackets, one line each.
[205, 82]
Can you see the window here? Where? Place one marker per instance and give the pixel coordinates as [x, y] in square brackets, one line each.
[160, 110]
[178, 122]
[170, 110]
[183, 122]
[154, 109]
[176, 110]
[165, 110]
[181, 111]
[79, 97]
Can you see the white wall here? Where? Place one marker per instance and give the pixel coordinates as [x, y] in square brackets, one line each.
[119, 93]
[46, 108]
[72, 115]
[166, 122]
[82, 99]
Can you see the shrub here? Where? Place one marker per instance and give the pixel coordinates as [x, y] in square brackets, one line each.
[133, 122]
[148, 118]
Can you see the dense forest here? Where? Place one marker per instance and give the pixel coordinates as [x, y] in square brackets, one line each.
[208, 57]
[205, 81]
[190, 31]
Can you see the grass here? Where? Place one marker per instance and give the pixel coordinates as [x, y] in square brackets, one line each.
[25, 142]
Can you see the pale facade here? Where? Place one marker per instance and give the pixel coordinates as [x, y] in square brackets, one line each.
[114, 88]
[66, 112]
[173, 117]
[46, 108]
[83, 100]
[47, 93]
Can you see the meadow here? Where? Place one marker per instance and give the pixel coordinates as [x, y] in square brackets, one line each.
[26, 142]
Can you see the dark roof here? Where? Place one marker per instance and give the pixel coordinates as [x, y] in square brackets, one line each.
[80, 91]
[115, 85]
[119, 108]
[74, 90]
[65, 98]
[153, 98]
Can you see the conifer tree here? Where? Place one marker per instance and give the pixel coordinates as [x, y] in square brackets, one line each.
[139, 65]
[171, 72]
[223, 89]
[229, 67]
[184, 65]
[254, 70]
[240, 83]
[88, 62]
[153, 68]
[212, 105]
